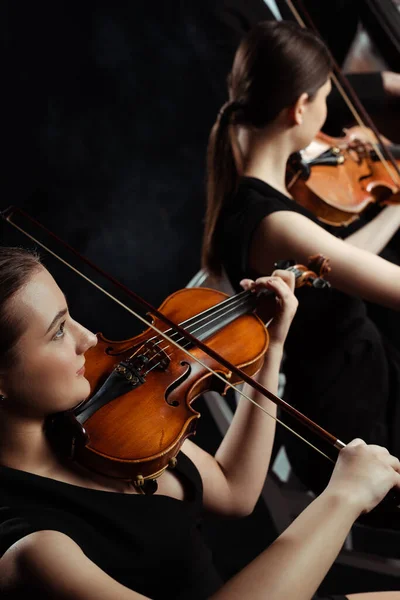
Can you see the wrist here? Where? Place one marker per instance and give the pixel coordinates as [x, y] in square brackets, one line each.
[346, 500]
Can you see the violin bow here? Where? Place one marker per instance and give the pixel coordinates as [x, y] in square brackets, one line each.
[343, 84]
[8, 214]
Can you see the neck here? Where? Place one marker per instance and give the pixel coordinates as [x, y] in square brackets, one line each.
[265, 154]
[24, 446]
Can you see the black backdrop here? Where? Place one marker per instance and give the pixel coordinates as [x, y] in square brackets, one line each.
[106, 113]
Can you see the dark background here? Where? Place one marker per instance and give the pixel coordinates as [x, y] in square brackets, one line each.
[106, 110]
[106, 113]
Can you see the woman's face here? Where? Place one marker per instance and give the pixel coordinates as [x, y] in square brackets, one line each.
[313, 115]
[47, 375]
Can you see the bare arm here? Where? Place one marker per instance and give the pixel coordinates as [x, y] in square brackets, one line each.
[377, 233]
[53, 565]
[234, 479]
[285, 565]
[301, 556]
[355, 271]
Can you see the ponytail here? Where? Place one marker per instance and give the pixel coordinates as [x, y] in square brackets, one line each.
[222, 177]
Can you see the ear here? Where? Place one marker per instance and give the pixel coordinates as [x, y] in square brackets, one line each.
[299, 108]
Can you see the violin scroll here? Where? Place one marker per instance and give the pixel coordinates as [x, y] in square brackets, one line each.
[318, 267]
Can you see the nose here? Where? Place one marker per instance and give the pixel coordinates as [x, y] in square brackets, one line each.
[86, 340]
[91, 339]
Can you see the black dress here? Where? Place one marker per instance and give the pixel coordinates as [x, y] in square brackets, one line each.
[150, 544]
[340, 369]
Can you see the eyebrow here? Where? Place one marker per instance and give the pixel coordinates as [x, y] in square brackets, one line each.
[58, 316]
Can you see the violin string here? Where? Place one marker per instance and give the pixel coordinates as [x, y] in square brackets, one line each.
[390, 170]
[229, 384]
[236, 304]
[232, 302]
[194, 331]
[238, 298]
[237, 301]
[152, 326]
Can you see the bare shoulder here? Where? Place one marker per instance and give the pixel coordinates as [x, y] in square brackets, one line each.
[286, 234]
[287, 226]
[53, 564]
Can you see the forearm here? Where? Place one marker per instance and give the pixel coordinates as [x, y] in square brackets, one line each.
[375, 235]
[245, 451]
[303, 553]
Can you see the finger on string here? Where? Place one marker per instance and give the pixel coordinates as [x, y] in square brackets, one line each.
[278, 283]
[280, 288]
[287, 276]
[247, 284]
[273, 282]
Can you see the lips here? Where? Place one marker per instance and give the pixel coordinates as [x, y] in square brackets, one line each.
[81, 370]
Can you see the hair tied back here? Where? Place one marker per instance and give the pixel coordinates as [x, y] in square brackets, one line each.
[226, 112]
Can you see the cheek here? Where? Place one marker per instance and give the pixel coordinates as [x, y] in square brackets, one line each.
[323, 114]
[53, 384]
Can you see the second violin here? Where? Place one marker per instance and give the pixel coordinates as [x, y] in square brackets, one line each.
[338, 178]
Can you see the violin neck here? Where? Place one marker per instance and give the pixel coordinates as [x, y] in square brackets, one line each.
[212, 320]
[394, 149]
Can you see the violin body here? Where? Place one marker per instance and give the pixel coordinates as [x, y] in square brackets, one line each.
[344, 176]
[140, 411]
[137, 435]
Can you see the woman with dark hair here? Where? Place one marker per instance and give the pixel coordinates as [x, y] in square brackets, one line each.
[218, 26]
[71, 534]
[340, 369]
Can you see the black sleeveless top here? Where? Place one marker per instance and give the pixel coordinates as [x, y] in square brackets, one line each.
[340, 371]
[150, 544]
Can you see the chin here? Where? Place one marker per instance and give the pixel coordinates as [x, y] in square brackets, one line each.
[82, 393]
[85, 389]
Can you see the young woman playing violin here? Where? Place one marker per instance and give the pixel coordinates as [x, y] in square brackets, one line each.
[340, 370]
[68, 533]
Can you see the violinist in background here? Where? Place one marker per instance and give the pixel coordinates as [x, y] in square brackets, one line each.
[219, 25]
[70, 534]
[341, 371]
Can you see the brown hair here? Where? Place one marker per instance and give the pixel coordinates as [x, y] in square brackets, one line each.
[275, 63]
[16, 267]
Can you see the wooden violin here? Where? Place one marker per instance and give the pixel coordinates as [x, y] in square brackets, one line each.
[337, 178]
[140, 412]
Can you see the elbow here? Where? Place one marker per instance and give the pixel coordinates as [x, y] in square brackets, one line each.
[246, 511]
[242, 509]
